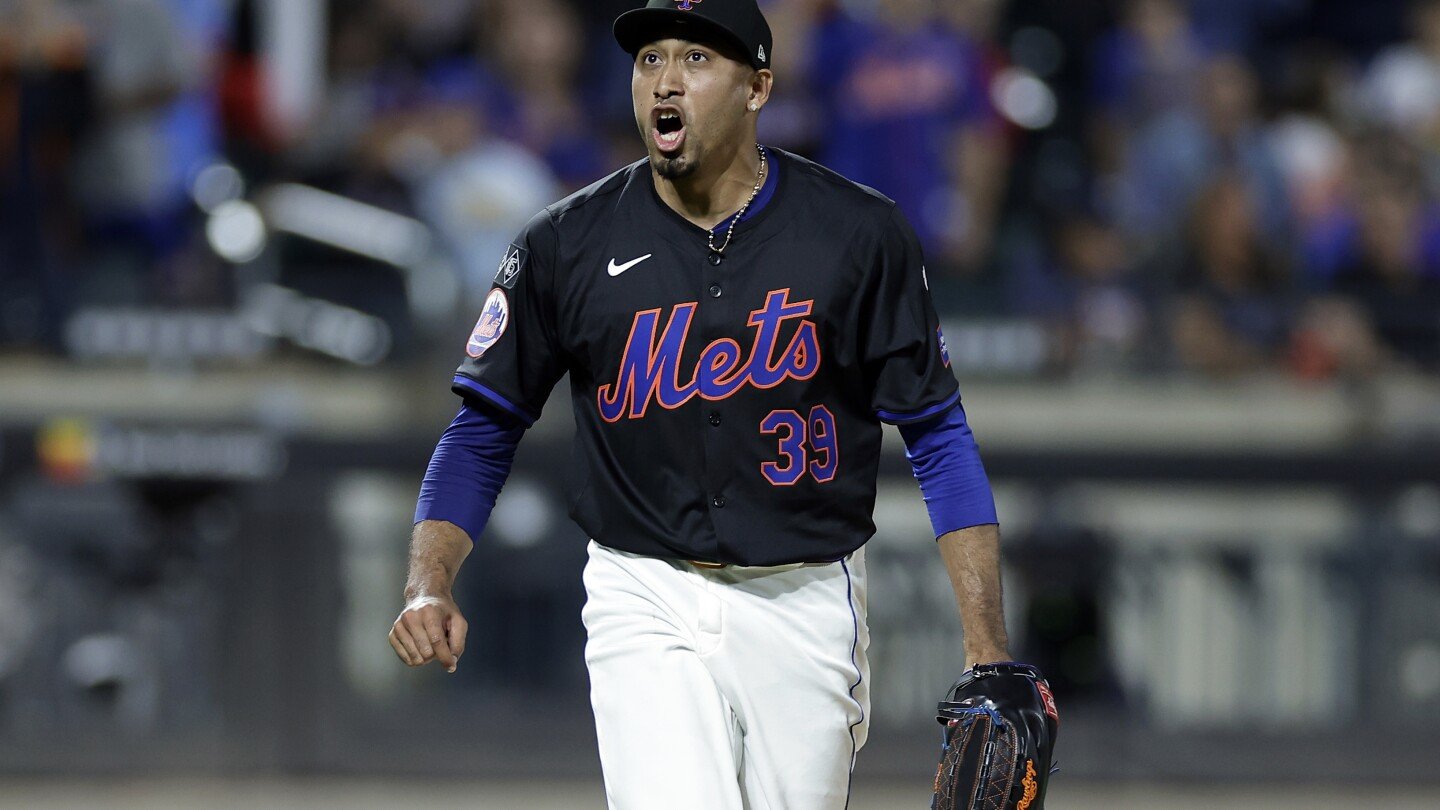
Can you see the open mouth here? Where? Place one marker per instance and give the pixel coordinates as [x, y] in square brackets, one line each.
[669, 130]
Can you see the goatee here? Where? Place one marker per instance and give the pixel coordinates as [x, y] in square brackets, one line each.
[673, 168]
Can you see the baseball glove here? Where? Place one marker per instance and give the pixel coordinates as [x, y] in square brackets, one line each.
[1000, 724]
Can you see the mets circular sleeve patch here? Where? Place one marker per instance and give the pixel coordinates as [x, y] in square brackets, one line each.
[493, 320]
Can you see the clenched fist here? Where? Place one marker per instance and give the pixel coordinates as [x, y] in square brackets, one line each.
[430, 628]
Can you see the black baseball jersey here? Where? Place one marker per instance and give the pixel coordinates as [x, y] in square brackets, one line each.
[725, 412]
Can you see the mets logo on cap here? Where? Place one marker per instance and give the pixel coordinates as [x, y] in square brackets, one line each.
[688, 5]
[493, 320]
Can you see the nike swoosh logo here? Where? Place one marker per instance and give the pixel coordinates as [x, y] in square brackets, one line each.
[617, 269]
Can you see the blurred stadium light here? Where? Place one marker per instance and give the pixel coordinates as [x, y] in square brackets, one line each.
[1024, 99]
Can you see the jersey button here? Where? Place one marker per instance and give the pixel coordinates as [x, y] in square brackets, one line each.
[715, 291]
[718, 501]
[715, 418]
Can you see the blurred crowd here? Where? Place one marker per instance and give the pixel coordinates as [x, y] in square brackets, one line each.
[1214, 186]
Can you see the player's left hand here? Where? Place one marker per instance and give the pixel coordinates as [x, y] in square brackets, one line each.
[1000, 725]
[430, 628]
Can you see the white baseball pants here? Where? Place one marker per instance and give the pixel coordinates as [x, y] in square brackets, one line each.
[726, 689]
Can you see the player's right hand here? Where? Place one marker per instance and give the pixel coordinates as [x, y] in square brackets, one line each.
[430, 628]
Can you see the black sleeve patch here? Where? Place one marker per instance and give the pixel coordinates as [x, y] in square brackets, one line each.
[510, 266]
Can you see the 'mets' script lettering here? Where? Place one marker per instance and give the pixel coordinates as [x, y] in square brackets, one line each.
[650, 367]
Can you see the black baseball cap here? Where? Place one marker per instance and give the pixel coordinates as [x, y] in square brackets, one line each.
[738, 22]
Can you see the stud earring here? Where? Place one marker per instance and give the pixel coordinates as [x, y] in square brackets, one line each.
[754, 107]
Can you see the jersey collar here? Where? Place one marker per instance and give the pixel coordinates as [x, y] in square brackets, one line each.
[759, 209]
[767, 192]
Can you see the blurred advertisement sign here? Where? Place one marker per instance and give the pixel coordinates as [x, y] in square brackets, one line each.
[105, 333]
[268, 315]
[73, 451]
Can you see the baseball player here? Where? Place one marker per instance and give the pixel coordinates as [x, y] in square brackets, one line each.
[736, 322]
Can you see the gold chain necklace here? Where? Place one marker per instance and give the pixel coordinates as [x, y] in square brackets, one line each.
[717, 253]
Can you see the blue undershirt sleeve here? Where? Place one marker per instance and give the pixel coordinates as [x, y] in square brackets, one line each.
[467, 470]
[946, 462]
